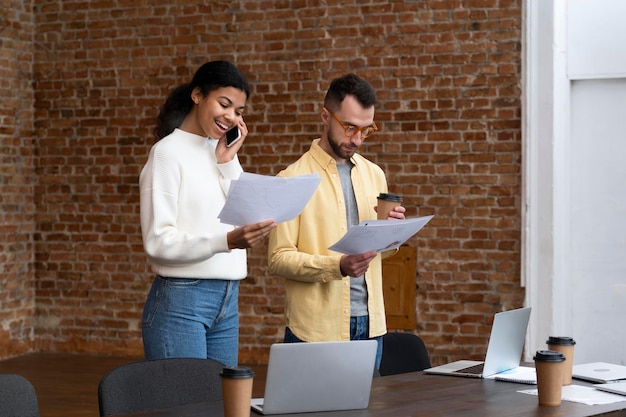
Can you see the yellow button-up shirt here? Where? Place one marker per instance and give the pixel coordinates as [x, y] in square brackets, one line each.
[317, 296]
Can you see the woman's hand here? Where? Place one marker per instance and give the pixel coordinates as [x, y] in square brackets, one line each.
[225, 153]
[249, 235]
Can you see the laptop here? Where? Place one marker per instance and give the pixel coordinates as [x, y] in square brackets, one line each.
[599, 372]
[504, 351]
[318, 376]
[613, 387]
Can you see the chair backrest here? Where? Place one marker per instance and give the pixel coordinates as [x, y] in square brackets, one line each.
[17, 397]
[161, 383]
[403, 352]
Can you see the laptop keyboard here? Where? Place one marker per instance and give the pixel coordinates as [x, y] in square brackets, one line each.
[474, 369]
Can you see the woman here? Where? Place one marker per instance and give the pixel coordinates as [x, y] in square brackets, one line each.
[192, 309]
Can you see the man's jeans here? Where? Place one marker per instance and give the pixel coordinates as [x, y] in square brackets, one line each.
[192, 318]
[359, 330]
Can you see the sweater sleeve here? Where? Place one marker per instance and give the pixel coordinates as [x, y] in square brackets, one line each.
[174, 231]
[229, 171]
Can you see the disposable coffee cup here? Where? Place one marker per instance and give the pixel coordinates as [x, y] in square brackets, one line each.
[565, 345]
[386, 203]
[237, 390]
[549, 367]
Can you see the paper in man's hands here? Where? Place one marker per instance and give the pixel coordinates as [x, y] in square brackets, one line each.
[254, 198]
[378, 235]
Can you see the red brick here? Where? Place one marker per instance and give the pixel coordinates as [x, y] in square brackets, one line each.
[78, 128]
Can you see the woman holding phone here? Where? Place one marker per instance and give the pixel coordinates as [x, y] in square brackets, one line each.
[192, 307]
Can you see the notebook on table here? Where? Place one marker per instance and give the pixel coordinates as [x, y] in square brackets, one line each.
[504, 350]
[520, 375]
[599, 372]
[320, 376]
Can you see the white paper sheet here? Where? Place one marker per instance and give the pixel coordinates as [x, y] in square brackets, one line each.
[254, 198]
[378, 235]
[584, 395]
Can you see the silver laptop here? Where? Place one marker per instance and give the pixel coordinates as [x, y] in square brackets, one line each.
[599, 372]
[504, 351]
[613, 387]
[320, 376]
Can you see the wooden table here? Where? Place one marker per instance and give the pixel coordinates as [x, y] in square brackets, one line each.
[417, 394]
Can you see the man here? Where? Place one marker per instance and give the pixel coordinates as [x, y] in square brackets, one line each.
[330, 296]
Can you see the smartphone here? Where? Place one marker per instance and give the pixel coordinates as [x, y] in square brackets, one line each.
[232, 136]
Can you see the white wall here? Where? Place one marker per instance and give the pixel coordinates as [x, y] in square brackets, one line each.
[574, 251]
[597, 219]
[596, 36]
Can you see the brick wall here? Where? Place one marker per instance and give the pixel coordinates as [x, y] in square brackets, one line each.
[448, 78]
[17, 210]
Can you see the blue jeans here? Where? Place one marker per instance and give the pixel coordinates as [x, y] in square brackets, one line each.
[192, 318]
[359, 330]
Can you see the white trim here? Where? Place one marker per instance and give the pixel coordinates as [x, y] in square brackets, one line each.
[562, 213]
[532, 236]
[598, 76]
[543, 166]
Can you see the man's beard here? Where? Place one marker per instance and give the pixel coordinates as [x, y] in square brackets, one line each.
[338, 150]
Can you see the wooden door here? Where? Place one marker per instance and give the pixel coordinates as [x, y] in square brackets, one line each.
[399, 284]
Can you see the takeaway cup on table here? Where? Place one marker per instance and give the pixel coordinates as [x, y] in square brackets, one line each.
[237, 390]
[549, 367]
[565, 345]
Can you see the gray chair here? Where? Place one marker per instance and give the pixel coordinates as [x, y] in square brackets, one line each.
[402, 353]
[17, 397]
[162, 383]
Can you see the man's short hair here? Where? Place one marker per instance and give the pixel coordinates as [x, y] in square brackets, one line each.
[353, 85]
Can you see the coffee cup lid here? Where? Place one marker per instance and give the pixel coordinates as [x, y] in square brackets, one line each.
[560, 341]
[549, 356]
[237, 372]
[389, 197]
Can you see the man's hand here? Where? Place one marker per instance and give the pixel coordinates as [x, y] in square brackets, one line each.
[396, 213]
[356, 265]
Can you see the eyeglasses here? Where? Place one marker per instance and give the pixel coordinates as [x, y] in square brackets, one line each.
[351, 130]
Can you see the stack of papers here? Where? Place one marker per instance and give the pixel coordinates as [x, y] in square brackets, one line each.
[254, 198]
[583, 395]
[378, 235]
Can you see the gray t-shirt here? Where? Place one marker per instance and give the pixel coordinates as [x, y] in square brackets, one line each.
[358, 288]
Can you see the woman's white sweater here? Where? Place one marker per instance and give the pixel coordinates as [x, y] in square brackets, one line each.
[182, 190]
